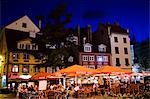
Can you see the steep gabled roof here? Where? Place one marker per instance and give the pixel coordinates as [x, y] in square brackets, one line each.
[17, 25]
[115, 28]
[12, 36]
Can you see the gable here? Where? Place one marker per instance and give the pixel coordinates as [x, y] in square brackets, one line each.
[23, 24]
[102, 46]
[88, 44]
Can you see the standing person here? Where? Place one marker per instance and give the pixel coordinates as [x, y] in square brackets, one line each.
[19, 94]
[76, 90]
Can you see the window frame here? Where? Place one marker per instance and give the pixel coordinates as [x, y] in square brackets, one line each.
[85, 58]
[13, 70]
[124, 40]
[105, 58]
[24, 66]
[116, 50]
[116, 39]
[35, 70]
[127, 62]
[26, 56]
[125, 50]
[99, 57]
[24, 25]
[118, 62]
[91, 58]
[15, 56]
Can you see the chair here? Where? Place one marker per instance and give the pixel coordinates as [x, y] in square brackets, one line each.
[51, 95]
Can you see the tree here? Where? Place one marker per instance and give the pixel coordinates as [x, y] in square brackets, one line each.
[142, 51]
[57, 35]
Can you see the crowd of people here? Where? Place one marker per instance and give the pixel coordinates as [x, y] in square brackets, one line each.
[104, 87]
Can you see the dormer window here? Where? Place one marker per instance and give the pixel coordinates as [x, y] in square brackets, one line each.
[24, 25]
[102, 48]
[21, 46]
[87, 47]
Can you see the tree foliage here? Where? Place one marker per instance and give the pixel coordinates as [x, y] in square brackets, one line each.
[56, 34]
[142, 52]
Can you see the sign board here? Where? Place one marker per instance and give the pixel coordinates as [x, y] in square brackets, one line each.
[42, 85]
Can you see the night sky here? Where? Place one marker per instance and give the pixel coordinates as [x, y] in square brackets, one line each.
[132, 14]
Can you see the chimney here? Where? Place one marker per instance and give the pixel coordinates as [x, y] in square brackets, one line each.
[78, 30]
[40, 23]
[109, 30]
[84, 39]
[127, 30]
[89, 33]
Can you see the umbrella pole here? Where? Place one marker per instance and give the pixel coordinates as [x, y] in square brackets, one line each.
[60, 81]
[64, 80]
[76, 81]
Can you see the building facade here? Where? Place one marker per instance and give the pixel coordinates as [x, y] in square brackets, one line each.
[118, 41]
[22, 58]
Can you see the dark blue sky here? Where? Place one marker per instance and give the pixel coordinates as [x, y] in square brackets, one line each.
[132, 14]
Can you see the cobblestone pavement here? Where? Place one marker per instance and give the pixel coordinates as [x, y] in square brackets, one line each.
[12, 96]
[7, 96]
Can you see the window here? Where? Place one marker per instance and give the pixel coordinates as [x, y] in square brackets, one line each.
[15, 56]
[105, 58]
[37, 69]
[26, 56]
[102, 48]
[116, 50]
[28, 46]
[85, 58]
[115, 39]
[124, 40]
[87, 49]
[21, 46]
[99, 58]
[91, 58]
[126, 62]
[25, 69]
[117, 62]
[125, 51]
[91, 66]
[24, 25]
[33, 47]
[15, 68]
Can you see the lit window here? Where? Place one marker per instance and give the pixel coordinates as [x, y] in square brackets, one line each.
[91, 58]
[25, 69]
[15, 68]
[15, 55]
[99, 58]
[85, 58]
